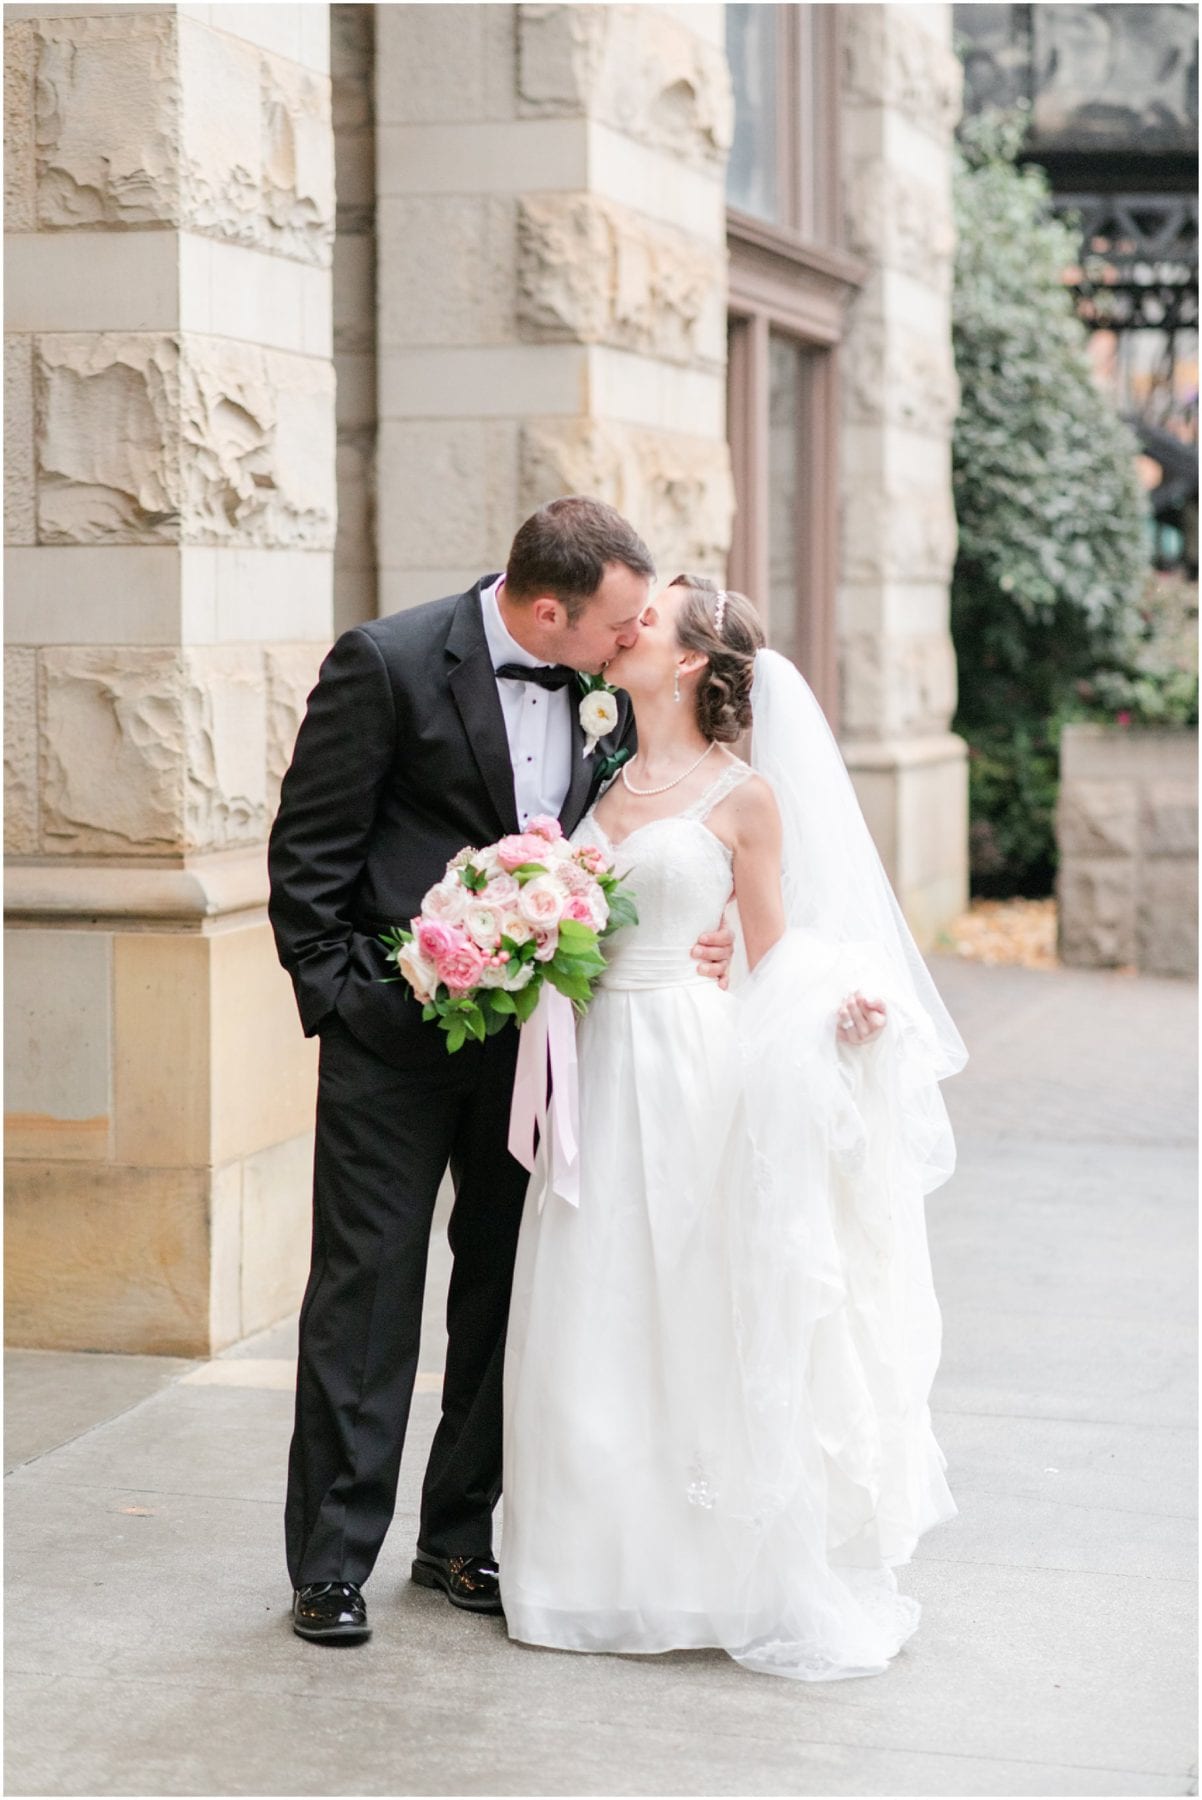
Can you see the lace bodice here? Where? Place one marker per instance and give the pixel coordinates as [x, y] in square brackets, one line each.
[680, 874]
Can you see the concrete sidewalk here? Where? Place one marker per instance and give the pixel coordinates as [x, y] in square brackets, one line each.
[147, 1605]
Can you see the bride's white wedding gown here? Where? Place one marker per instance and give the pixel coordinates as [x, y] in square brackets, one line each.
[716, 1377]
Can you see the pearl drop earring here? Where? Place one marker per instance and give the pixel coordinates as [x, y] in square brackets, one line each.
[676, 686]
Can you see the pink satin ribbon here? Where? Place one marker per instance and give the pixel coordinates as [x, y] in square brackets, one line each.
[548, 1038]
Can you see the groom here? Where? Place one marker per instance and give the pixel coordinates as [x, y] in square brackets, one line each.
[449, 724]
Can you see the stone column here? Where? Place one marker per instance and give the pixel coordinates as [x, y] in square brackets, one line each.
[170, 529]
[900, 102]
[551, 264]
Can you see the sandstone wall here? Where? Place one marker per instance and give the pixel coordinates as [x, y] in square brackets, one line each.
[1127, 831]
[170, 522]
[900, 102]
[551, 261]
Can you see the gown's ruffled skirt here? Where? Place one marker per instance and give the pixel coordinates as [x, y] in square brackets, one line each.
[718, 1366]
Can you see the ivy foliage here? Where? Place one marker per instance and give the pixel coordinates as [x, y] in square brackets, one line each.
[1052, 539]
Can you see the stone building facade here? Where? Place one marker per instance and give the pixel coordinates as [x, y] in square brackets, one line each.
[308, 307]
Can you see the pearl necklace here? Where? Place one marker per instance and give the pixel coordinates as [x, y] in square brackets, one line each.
[676, 780]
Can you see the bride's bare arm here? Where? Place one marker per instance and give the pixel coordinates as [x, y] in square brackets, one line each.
[754, 822]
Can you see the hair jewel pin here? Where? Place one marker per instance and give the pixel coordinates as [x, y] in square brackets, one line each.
[720, 610]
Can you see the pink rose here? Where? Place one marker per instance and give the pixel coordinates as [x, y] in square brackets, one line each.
[434, 938]
[512, 852]
[547, 944]
[579, 909]
[461, 967]
[542, 902]
[593, 858]
[501, 891]
[544, 826]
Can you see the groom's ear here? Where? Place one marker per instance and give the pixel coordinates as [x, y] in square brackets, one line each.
[548, 612]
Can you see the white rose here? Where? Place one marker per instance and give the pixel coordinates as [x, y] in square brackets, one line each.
[482, 926]
[598, 713]
[447, 901]
[518, 975]
[495, 975]
[514, 927]
[542, 902]
[421, 975]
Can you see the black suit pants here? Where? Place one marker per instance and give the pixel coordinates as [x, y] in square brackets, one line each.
[385, 1137]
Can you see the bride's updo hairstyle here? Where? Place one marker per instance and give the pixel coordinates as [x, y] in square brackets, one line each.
[725, 628]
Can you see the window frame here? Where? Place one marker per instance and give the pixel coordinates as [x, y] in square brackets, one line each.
[794, 279]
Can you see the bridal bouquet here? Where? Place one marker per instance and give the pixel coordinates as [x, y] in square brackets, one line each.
[502, 922]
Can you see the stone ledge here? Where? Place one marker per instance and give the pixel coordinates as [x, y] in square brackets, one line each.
[879, 755]
[190, 896]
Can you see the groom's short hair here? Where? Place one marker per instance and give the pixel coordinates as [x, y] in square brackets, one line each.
[563, 550]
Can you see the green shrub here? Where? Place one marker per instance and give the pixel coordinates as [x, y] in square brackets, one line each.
[1052, 550]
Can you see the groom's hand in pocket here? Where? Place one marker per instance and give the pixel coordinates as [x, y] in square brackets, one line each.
[713, 951]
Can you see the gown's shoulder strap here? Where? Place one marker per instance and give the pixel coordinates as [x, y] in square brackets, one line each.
[732, 776]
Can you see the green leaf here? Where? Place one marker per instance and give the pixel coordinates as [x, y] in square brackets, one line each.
[525, 1000]
[500, 1000]
[573, 987]
[429, 1011]
[527, 871]
[456, 1034]
[574, 933]
[622, 912]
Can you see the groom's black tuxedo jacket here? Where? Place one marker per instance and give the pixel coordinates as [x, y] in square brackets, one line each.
[401, 760]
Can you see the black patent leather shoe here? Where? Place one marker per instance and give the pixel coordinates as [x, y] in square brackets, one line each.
[472, 1582]
[330, 1612]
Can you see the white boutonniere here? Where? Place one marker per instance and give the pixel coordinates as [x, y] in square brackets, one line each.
[598, 710]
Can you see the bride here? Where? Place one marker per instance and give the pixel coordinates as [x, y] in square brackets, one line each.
[717, 1429]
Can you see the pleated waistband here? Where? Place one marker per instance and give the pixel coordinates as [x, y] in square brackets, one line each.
[644, 966]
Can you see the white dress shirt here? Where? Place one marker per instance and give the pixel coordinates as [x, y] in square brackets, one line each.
[538, 722]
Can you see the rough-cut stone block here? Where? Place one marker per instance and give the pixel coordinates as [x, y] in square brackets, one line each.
[104, 1257]
[161, 439]
[150, 119]
[631, 67]
[20, 65]
[449, 275]
[277, 1212]
[894, 376]
[297, 196]
[676, 490]
[20, 752]
[446, 482]
[258, 443]
[108, 449]
[1167, 916]
[225, 747]
[895, 221]
[593, 272]
[903, 530]
[225, 1256]
[1097, 818]
[444, 64]
[162, 1104]
[20, 522]
[290, 672]
[1169, 818]
[57, 1038]
[892, 60]
[108, 120]
[112, 750]
[1097, 911]
[897, 686]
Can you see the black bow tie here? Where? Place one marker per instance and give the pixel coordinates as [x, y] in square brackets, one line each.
[550, 675]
